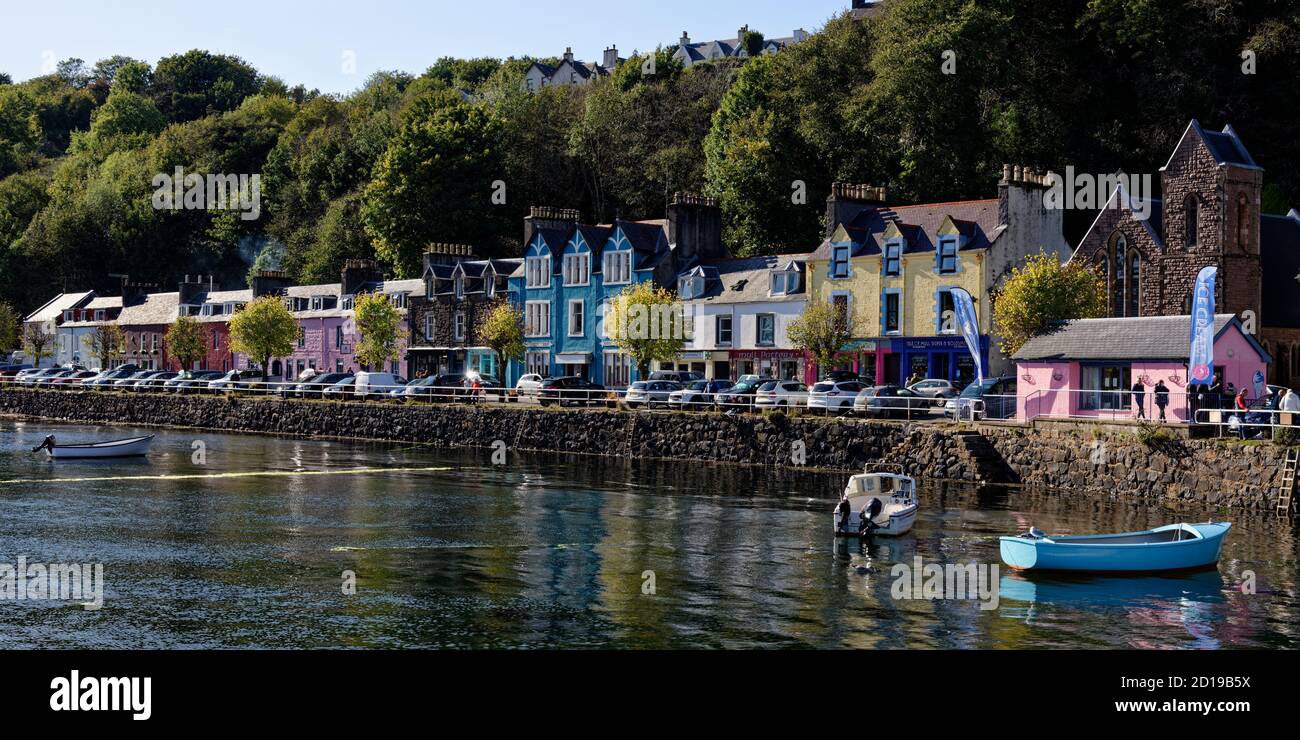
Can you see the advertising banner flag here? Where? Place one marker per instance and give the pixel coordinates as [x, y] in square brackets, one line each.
[1200, 363]
[969, 325]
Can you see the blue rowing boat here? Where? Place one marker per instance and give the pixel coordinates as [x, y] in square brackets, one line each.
[1172, 547]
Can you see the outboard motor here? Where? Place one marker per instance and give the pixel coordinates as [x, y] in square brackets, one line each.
[844, 509]
[49, 442]
[867, 519]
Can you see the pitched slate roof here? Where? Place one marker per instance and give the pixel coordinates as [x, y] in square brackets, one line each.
[152, 308]
[1279, 238]
[1225, 146]
[744, 280]
[1134, 338]
[977, 219]
[58, 304]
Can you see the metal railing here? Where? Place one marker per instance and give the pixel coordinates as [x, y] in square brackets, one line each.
[1112, 405]
[1248, 423]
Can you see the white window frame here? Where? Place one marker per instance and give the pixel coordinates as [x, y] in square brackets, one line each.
[458, 326]
[758, 329]
[537, 318]
[576, 269]
[581, 316]
[537, 272]
[617, 267]
[430, 324]
[731, 329]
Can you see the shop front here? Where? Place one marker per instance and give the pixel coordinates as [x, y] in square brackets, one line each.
[574, 364]
[944, 357]
[784, 364]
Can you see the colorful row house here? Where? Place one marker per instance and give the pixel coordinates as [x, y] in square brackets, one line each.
[48, 319]
[570, 271]
[459, 291]
[892, 271]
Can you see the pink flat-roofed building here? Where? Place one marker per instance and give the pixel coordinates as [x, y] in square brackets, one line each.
[1088, 368]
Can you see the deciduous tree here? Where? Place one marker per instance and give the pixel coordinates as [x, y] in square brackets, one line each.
[503, 331]
[37, 342]
[823, 330]
[647, 323]
[377, 321]
[106, 343]
[1043, 291]
[264, 329]
[187, 341]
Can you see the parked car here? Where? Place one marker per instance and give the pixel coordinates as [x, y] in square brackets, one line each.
[107, 378]
[376, 386]
[315, 385]
[155, 382]
[571, 389]
[48, 381]
[234, 380]
[837, 376]
[835, 396]
[73, 379]
[446, 386]
[935, 388]
[699, 394]
[191, 381]
[882, 401]
[781, 394]
[677, 376]
[740, 397]
[650, 393]
[340, 391]
[34, 378]
[529, 384]
[995, 398]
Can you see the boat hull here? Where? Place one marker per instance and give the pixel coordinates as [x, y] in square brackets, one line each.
[1097, 555]
[133, 447]
[900, 523]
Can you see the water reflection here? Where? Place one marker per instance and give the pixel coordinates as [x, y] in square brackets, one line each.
[574, 552]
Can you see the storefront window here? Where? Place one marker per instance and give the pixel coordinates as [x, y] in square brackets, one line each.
[1106, 385]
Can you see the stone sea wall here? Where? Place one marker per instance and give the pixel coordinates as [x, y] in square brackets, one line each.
[1223, 474]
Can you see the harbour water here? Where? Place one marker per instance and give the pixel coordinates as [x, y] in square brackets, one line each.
[232, 541]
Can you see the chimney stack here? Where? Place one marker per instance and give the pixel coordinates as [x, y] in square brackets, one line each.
[548, 217]
[685, 40]
[695, 229]
[190, 290]
[610, 60]
[357, 273]
[847, 200]
[568, 53]
[270, 282]
[447, 254]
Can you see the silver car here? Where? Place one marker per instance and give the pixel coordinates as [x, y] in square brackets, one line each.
[650, 393]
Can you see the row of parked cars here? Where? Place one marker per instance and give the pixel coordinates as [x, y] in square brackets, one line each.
[330, 386]
[840, 392]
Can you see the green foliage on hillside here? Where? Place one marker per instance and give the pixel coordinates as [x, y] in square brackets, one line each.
[929, 98]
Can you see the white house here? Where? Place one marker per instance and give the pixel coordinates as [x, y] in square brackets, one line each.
[739, 311]
[692, 52]
[569, 71]
[72, 345]
[48, 318]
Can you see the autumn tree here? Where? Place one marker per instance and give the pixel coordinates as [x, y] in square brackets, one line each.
[503, 331]
[377, 321]
[823, 330]
[9, 331]
[187, 342]
[37, 343]
[647, 323]
[106, 343]
[1043, 291]
[264, 329]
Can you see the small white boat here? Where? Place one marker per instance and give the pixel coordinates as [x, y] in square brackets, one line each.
[876, 504]
[132, 447]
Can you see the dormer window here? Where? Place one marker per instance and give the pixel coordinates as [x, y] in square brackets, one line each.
[577, 269]
[946, 260]
[348, 303]
[618, 267]
[893, 258]
[490, 287]
[397, 299]
[460, 286]
[839, 261]
[784, 283]
[538, 272]
[690, 286]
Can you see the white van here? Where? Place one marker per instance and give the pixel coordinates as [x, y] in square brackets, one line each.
[373, 386]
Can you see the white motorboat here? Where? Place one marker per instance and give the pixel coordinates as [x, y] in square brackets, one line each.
[132, 447]
[876, 504]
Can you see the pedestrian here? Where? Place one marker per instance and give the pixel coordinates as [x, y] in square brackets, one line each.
[1290, 401]
[1162, 398]
[1139, 397]
[1242, 403]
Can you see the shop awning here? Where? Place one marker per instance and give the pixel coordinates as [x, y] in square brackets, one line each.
[573, 358]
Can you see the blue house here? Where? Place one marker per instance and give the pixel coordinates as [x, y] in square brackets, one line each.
[571, 270]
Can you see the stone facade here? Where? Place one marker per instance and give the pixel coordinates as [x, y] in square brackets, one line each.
[1068, 458]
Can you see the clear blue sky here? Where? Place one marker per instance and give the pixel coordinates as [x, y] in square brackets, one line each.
[304, 41]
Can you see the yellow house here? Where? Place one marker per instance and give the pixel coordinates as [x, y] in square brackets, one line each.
[893, 269]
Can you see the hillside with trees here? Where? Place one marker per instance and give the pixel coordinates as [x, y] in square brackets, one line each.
[459, 152]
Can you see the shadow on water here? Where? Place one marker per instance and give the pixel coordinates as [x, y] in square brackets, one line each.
[449, 550]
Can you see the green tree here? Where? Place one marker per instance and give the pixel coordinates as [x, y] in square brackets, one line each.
[1043, 291]
[264, 329]
[502, 330]
[647, 323]
[9, 328]
[823, 330]
[436, 182]
[194, 84]
[377, 321]
[106, 343]
[37, 343]
[188, 342]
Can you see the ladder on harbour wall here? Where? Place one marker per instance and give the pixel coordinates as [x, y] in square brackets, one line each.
[1287, 486]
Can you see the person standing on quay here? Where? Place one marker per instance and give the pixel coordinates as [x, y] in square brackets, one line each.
[1162, 398]
[1290, 401]
[1139, 396]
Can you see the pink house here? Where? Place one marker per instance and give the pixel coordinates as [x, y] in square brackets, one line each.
[1087, 368]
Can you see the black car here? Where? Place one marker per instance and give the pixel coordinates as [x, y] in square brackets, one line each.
[740, 397]
[572, 389]
[677, 376]
[314, 386]
[838, 376]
